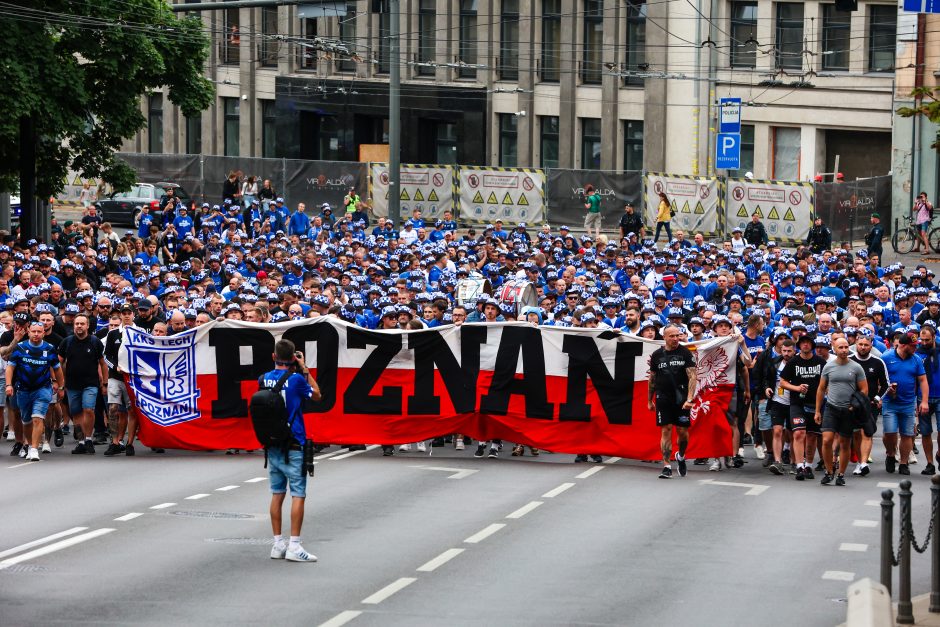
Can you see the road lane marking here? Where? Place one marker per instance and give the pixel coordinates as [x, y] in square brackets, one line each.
[195, 497]
[440, 560]
[754, 488]
[328, 455]
[852, 546]
[390, 589]
[341, 619]
[873, 503]
[226, 488]
[163, 505]
[889, 484]
[256, 480]
[838, 575]
[52, 548]
[556, 491]
[348, 455]
[590, 471]
[29, 545]
[127, 517]
[458, 473]
[21, 465]
[483, 534]
[612, 460]
[525, 509]
[864, 523]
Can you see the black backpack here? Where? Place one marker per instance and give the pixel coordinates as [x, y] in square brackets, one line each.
[269, 416]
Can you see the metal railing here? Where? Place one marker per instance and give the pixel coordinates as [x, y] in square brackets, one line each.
[907, 541]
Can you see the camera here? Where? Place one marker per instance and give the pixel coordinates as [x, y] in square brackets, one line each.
[308, 457]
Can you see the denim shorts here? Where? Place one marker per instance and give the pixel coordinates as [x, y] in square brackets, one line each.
[898, 418]
[281, 473]
[764, 421]
[925, 422]
[33, 403]
[84, 398]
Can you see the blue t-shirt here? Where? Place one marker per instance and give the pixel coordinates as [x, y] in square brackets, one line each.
[904, 372]
[294, 391]
[143, 228]
[32, 363]
[931, 368]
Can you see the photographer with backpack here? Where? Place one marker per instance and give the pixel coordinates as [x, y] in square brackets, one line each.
[277, 416]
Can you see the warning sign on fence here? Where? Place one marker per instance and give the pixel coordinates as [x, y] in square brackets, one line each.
[785, 207]
[512, 195]
[429, 188]
[695, 200]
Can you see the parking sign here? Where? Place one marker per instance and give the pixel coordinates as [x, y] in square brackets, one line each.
[728, 151]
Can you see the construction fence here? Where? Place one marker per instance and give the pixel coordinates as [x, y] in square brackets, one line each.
[478, 195]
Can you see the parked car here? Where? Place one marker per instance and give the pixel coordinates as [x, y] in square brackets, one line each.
[16, 209]
[124, 207]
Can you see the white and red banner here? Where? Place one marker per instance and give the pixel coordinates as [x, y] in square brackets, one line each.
[562, 389]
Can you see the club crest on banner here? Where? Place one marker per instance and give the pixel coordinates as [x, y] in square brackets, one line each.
[163, 376]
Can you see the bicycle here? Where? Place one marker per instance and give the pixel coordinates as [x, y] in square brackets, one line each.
[905, 238]
[933, 238]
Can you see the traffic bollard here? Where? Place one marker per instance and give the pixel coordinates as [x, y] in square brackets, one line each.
[905, 607]
[887, 537]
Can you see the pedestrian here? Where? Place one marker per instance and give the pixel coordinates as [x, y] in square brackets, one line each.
[908, 381]
[592, 220]
[840, 379]
[923, 216]
[34, 375]
[875, 235]
[877, 376]
[286, 467]
[82, 357]
[663, 217]
[930, 354]
[778, 406]
[249, 191]
[754, 233]
[801, 376]
[672, 382]
[819, 237]
[630, 222]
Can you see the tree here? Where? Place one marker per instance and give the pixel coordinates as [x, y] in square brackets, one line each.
[928, 105]
[74, 72]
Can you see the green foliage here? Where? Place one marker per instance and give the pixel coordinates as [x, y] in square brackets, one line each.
[79, 69]
[928, 105]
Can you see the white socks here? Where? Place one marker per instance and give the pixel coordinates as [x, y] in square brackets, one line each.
[294, 543]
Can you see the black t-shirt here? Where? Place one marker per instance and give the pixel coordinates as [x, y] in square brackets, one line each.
[799, 371]
[146, 324]
[53, 338]
[672, 380]
[112, 346]
[81, 361]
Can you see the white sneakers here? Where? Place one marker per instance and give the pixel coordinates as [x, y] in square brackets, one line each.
[759, 451]
[404, 448]
[459, 446]
[46, 448]
[279, 550]
[422, 447]
[33, 455]
[715, 466]
[24, 451]
[300, 555]
[10, 436]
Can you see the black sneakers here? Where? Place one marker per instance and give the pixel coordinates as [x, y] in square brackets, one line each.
[481, 450]
[113, 449]
[800, 474]
[827, 479]
[786, 457]
[494, 452]
[89, 448]
[890, 463]
[58, 438]
[17, 446]
[929, 470]
[903, 469]
[840, 480]
[808, 472]
[666, 473]
[683, 468]
[580, 458]
[596, 459]
[79, 448]
[129, 450]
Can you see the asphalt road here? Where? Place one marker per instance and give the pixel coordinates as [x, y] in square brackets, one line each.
[401, 542]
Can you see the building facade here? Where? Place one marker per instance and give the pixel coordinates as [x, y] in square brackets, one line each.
[603, 84]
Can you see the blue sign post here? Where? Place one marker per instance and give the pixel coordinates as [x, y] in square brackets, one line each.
[728, 151]
[922, 6]
[729, 115]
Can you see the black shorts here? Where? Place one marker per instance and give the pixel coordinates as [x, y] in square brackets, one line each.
[669, 414]
[803, 418]
[779, 414]
[839, 420]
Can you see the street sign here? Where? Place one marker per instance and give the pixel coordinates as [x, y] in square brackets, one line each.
[922, 6]
[728, 151]
[729, 115]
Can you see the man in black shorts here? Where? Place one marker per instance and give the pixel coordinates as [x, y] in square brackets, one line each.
[801, 377]
[840, 379]
[672, 385]
[778, 407]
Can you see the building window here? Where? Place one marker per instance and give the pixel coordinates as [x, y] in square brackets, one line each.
[155, 123]
[786, 154]
[446, 142]
[233, 37]
[592, 57]
[509, 40]
[635, 60]
[268, 129]
[590, 143]
[194, 135]
[747, 151]
[633, 144]
[231, 112]
[508, 140]
[836, 38]
[468, 37]
[347, 34]
[551, 41]
[427, 37]
[882, 35]
[743, 28]
[308, 54]
[268, 36]
[384, 43]
[789, 44]
[548, 141]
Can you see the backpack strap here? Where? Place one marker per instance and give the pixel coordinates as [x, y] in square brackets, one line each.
[282, 381]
